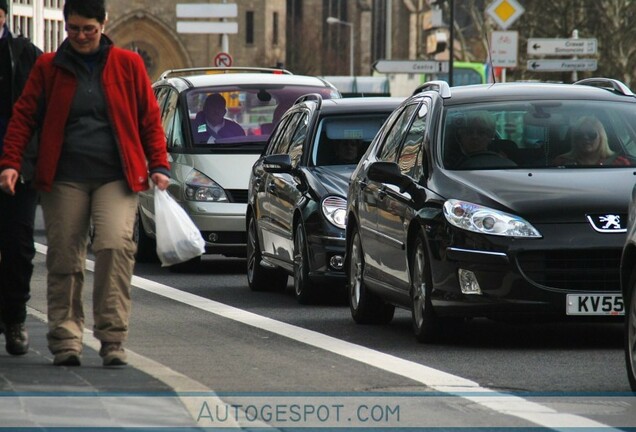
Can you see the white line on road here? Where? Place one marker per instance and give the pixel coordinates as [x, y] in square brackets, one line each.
[435, 379]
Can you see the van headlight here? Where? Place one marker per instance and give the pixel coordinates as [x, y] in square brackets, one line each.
[199, 187]
[484, 220]
[335, 209]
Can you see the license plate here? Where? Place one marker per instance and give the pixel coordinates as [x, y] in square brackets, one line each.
[595, 304]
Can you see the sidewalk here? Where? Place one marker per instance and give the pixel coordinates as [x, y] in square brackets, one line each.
[36, 394]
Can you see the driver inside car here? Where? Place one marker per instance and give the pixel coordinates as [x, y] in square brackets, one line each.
[474, 138]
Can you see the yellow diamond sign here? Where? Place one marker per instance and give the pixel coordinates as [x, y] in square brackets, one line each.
[505, 12]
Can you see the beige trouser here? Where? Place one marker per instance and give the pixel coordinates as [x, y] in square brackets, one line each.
[68, 210]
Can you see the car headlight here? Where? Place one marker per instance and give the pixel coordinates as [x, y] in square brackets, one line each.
[484, 220]
[335, 209]
[199, 187]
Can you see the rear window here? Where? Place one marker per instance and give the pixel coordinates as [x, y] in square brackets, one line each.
[540, 134]
[250, 112]
[343, 139]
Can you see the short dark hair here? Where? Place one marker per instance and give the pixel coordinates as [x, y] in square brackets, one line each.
[85, 8]
[214, 100]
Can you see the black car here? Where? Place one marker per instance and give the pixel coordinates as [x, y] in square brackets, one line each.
[297, 189]
[628, 284]
[501, 201]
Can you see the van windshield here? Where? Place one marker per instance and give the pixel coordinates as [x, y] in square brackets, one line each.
[242, 114]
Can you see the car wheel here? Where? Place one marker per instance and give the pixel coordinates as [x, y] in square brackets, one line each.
[425, 322]
[630, 332]
[365, 306]
[146, 246]
[258, 277]
[304, 289]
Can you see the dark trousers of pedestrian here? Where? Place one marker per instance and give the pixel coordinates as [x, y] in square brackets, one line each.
[17, 216]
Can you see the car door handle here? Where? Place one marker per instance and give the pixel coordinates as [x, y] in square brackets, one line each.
[271, 187]
[362, 185]
[382, 193]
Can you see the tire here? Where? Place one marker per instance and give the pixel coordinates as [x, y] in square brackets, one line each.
[630, 332]
[365, 306]
[260, 278]
[304, 288]
[426, 325]
[146, 246]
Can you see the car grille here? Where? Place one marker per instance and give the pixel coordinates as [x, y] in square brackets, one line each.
[238, 195]
[585, 270]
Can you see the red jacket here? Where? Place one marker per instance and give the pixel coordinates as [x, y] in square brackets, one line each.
[132, 107]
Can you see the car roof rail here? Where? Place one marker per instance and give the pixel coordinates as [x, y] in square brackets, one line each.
[220, 70]
[607, 83]
[309, 97]
[439, 86]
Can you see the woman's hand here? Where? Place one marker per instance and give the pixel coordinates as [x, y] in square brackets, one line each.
[160, 180]
[8, 178]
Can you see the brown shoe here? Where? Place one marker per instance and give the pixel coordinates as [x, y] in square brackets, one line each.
[67, 358]
[113, 354]
[17, 339]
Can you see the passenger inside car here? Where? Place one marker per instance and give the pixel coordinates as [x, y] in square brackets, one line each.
[589, 146]
[210, 124]
[267, 128]
[474, 135]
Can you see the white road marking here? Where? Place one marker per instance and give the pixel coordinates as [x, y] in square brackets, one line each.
[435, 379]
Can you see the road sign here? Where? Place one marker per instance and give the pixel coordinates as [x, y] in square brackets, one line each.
[560, 65]
[410, 66]
[207, 27]
[562, 46]
[505, 12]
[504, 48]
[198, 10]
[223, 59]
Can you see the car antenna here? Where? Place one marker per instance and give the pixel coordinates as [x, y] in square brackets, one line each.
[492, 69]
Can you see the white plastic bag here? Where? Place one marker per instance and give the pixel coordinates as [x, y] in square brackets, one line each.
[178, 238]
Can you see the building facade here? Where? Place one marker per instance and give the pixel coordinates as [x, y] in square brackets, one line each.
[293, 34]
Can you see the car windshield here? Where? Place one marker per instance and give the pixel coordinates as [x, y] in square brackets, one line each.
[343, 139]
[539, 134]
[241, 114]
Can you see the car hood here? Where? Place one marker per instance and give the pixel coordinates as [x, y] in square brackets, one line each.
[331, 179]
[543, 196]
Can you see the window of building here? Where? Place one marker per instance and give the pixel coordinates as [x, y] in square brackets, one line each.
[275, 29]
[249, 27]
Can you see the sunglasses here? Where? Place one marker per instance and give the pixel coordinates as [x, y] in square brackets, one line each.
[88, 30]
[589, 134]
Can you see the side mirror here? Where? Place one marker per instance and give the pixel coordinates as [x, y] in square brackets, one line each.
[277, 163]
[389, 172]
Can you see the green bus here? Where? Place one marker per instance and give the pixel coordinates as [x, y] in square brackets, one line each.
[464, 73]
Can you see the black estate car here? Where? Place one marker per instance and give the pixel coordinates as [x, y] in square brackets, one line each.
[502, 200]
[296, 197]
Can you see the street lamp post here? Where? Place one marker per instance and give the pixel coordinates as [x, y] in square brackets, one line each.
[334, 20]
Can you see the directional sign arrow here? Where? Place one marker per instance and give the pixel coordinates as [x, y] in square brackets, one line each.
[558, 65]
[562, 46]
[410, 66]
